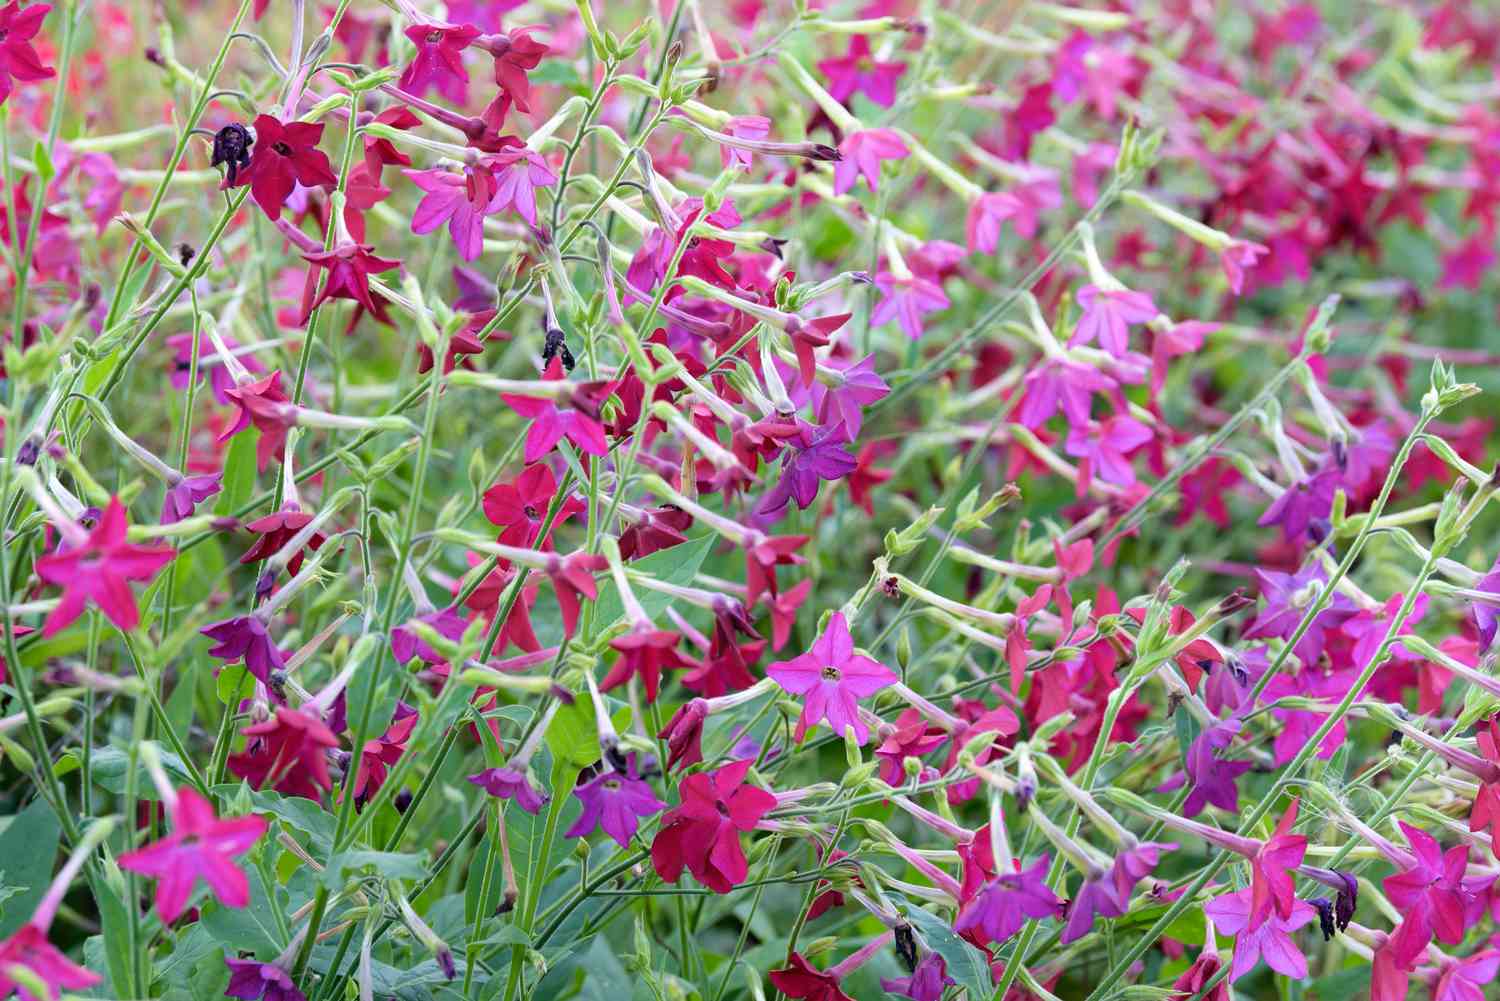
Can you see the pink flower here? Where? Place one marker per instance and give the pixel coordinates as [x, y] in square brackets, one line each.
[29, 949]
[1107, 316]
[1469, 262]
[518, 173]
[99, 570]
[18, 59]
[987, 214]
[1239, 257]
[460, 200]
[862, 153]
[199, 847]
[833, 678]
[1271, 941]
[551, 423]
[752, 127]
[1105, 447]
[906, 300]
[856, 72]
[1271, 889]
[1431, 896]
[1061, 384]
[1466, 979]
[439, 62]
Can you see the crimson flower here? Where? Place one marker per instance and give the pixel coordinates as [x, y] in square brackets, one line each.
[439, 62]
[656, 529]
[519, 505]
[799, 979]
[857, 72]
[809, 335]
[726, 666]
[833, 678]
[646, 652]
[99, 571]
[460, 200]
[349, 267]
[285, 154]
[703, 833]
[1197, 976]
[572, 576]
[867, 476]
[265, 404]
[912, 736]
[684, 734]
[1271, 940]
[276, 530]
[379, 151]
[1430, 894]
[18, 59]
[379, 755]
[519, 171]
[515, 52]
[287, 752]
[1107, 316]
[761, 576]
[862, 153]
[199, 847]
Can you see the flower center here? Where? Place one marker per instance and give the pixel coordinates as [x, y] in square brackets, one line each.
[721, 807]
[433, 37]
[530, 512]
[865, 65]
[613, 785]
[282, 148]
[830, 673]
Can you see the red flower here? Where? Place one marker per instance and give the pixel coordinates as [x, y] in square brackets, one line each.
[285, 154]
[265, 404]
[286, 752]
[703, 833]
[379, 151]
[657, 529]
[519, 506]
[515, 52]
[18, 60]
[200, 846]
[349, 267]
[726, 666]
[571, 576]
[684, 734]
[380, 754]
[800, 980]
[98, 571]
[646, 652]
[276, 530]
[763, 555]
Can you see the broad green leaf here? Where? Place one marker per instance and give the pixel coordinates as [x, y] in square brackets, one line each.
[238, 484]
[234, 684]
[388, 865]
[966, 964]
[109, 766]
[253, 928]
[28, 844]
[678, 565]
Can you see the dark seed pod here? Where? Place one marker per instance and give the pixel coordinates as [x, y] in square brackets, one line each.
[232, 149]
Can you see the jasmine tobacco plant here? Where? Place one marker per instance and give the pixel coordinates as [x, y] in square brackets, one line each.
[770, 500]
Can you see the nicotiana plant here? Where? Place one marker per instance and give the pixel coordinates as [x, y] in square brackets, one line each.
[941, 499]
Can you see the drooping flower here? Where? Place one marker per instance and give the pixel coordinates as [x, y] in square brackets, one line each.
[1271, 940]
[18, 58]
[1430, 895]
[510, 783]
[381, 754]
[515, 53]
[800, 979]
[645, 652]
[460, 200]
[1213, 777]
[518, 173]
[857, 72]
[615, 801]
[1003, 904]
[927, 982]
[199, 847]
[246, 638]
[287, 752]
[349, 266]
[276, 530]
[684, 734]
[1300, 505]
[1107, 316]
[285, 154]
[183, 497]
[833, 678]
[251, 980]
[653, 530]
[862, 154]
[703, 833]
[99, 571]
[1105, 448]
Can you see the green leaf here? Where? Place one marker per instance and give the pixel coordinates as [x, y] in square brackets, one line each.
[572, 737]
[114, 922]
[28, 844]
[45, 169]
[678, 565]
[109, 766]
[234, 684]
[238, 484]
[1187, 731]
[388, 865]
[294, 811]
[194, 969]
[966, 964]
[253, 928]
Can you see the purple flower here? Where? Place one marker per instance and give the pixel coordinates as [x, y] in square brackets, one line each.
[1002, 905]
[460, 200]
[862, 154]
[814, 455]
[1097, 896]
[1368, 456]
[906, 300]
[615, 801]
[926, 983]
[475, 292]
[1213, 777]
[1107, 316]
[187, 492]
[1061, 384]
[266, 981]
[247, 637]
[1226, 685]
[1134, 864]
[510, 783]
[1288, 596]
[1271, 941]
[1301, 503]
[406, 644]
[1486, 615]
[845, 403]
[1105, 448]
[518, 173]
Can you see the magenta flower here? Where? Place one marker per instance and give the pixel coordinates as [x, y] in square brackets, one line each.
[1302, 504]
[246, 637]
[250, 980]
[833, 678]
[1107, 316]
[18, 59]
[1105, 447]
[518, 173]
[1213, 776]
[288, 752]
[439, 62]
[987, 214]
[99, 570]
[926, 983]
[1134, 864]
[510, 783]
[486, 14]
[1288, 596]
[1061, 384]
[1487, 615]
[844, 404]
[1466, 979]
[906, 300]
[752, 127]
[1430, 894]
[1271, 940]
[703, 833]
[1002, 905]
[460, 200]
[406, 644]
[551, 423]
[349, 267]
[1096, 897]
[29, 949]
[615, 801]
[199, 847]
[1237, 258]
[1271, 889]
[857, 72]
[183, 497]
[862, 153]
